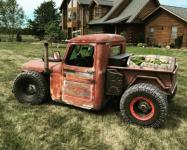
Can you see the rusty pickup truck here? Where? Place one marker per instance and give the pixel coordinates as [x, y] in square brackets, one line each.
[96, 68]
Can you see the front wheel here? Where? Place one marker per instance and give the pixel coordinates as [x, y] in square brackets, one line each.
[144, 104]
[30, 87]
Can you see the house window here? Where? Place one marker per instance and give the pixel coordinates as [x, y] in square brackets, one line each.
[174, 31]
[97, 11]
[152, 30]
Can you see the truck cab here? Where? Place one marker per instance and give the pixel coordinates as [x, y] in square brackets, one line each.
[94, 68]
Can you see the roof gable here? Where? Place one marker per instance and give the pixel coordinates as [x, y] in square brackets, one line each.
[179, 12]
[131, 11]
[116, 4]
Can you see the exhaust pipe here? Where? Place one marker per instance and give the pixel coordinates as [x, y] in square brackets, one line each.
[46, 57]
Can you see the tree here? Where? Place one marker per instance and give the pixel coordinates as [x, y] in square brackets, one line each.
[43, 15]
[11, 16]
[53, 32]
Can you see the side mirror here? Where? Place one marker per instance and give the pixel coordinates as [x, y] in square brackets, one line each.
[56, 55]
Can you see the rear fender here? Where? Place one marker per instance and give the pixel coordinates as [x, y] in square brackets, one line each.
[153, 80]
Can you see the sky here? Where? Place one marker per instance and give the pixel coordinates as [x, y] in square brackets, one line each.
[29, 6]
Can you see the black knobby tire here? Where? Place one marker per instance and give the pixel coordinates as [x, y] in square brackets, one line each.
[156, 99]
[30, 87]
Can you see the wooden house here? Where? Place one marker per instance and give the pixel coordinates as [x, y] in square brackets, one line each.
[138, 20]
[164, 25]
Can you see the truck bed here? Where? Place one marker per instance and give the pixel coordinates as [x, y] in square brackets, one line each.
[155, 63]
[166, 79]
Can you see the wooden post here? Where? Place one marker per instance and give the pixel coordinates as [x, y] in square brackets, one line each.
[116, 29]
[82, 24]
[46, 53]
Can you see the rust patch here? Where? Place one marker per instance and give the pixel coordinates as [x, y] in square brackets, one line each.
[81, 90]
[114, 83]
[37, 65]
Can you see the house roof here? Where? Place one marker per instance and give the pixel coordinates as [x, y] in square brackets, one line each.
[179, 12]
[128, 14]
[81, 2]
[84, 2]
[104, 2]
[88, 2]
[131, 11]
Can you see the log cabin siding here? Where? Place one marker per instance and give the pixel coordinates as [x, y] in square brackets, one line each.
[162, 23]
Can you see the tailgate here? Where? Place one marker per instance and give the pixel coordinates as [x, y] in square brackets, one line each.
[174, 79]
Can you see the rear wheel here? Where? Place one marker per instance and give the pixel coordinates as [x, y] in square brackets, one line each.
[144, 104]
[30, 87]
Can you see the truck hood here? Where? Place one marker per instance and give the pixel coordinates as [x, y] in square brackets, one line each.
[37, 65]
[152, 62]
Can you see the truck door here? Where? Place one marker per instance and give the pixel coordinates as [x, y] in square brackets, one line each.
[79, 76]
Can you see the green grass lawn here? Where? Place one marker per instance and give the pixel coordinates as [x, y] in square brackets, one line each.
[25, 38]
[54, 126]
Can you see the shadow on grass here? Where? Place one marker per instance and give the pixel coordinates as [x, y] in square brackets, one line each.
[176, 114]
[112, 106]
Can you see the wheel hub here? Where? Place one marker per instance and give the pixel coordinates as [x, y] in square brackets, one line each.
[31, 89]
[142, 108]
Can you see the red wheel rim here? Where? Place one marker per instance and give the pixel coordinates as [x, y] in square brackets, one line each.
[138, 113]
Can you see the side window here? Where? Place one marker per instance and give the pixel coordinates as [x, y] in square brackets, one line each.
[115, 50]
[174, 31]
[81, 55]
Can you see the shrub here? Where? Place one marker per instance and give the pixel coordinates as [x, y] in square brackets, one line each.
[54, 33]
[178, 42]
[159, 45]
[130, 44]
[140, 38]
[123, 34]
[172, 45]
[140, 45]
[18, 37]
[145, 45]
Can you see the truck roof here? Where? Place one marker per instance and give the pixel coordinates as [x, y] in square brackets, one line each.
[98, 38]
